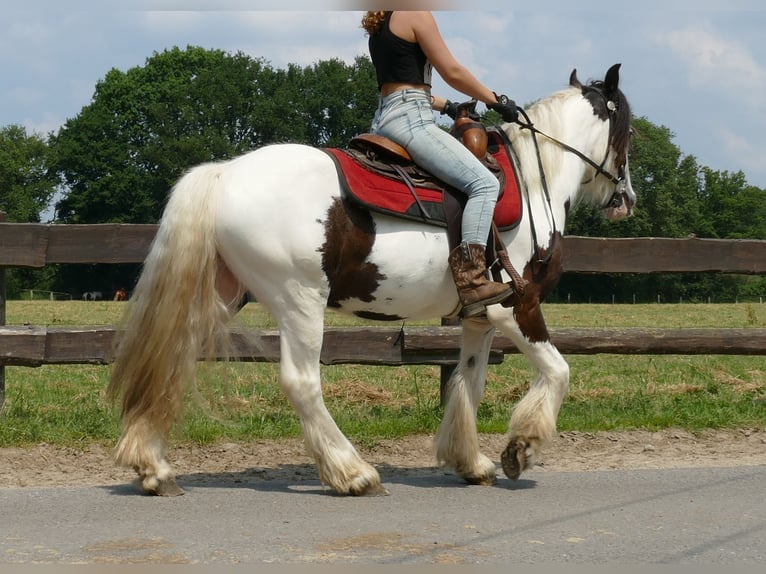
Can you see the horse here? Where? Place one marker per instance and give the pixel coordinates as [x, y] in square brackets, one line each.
[120, 295]
[272, 223]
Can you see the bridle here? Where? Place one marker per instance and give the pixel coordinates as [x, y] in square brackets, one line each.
[619, 195]
[620, 184]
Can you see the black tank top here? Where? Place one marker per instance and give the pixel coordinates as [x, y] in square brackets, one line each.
[396, 60]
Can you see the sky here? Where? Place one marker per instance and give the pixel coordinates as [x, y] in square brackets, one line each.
[697, 67]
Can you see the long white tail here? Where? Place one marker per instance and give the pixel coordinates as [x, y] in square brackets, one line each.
[174, 316]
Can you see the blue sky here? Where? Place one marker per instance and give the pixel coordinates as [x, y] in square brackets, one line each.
[698, 68]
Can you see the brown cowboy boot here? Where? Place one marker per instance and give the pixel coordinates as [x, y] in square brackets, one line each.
[469, 270]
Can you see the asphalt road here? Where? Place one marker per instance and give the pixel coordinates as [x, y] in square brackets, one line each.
[702, 516]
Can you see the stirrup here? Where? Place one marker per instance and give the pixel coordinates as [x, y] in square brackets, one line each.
[479, 307]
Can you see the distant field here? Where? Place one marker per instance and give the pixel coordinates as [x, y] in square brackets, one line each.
[64, 404]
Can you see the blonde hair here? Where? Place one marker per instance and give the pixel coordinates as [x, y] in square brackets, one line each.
[373, 20]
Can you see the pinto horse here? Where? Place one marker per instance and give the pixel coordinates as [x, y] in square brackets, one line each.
[273, 223]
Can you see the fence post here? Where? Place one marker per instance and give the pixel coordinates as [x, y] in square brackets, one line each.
[2, 323]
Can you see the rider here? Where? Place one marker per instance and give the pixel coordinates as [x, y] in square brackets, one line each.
[404, 47]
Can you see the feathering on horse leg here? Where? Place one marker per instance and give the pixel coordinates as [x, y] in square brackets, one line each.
[339, 464]
[533, 421]
[457, 441]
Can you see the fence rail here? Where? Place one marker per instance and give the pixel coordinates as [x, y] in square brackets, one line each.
[36, 245]
[31, 346]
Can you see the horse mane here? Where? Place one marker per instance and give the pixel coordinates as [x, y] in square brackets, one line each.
[619, 133]
[544, 114]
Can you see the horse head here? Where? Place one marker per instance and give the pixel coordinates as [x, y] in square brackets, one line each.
[610, 105]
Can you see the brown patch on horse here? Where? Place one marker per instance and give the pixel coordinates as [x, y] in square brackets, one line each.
[349, 237]
[542, 275]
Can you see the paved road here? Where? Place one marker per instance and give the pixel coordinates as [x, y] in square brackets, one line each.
[683, 516]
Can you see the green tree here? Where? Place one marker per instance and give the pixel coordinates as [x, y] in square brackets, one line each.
[339, 100]
[26, 188]
[676, 198]
[26, 184]
[121, 155]
[733, 209]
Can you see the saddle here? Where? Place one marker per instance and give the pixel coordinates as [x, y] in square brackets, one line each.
[379, 175]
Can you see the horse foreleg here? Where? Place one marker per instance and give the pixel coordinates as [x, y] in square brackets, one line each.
[457, 441]
[339, 464]
[533, 421]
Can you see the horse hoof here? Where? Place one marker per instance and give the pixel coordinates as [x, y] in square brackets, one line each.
[483, 480]
[481, 471]
[514, 459]
[154, 487]
[375, 489]
[168, 488]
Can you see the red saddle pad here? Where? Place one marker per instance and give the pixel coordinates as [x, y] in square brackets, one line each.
[391, 196]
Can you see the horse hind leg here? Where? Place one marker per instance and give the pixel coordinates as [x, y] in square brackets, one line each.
[457, 441]
[143, 449]
[145, 426]
[231, 290]
[339, 465]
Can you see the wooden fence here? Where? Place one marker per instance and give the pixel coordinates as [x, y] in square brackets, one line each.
[36, 245]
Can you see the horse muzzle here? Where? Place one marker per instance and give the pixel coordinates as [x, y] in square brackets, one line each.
[621, 203]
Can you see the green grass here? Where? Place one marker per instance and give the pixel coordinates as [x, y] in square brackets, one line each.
[65, 404]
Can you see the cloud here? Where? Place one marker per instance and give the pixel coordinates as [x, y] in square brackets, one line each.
[273, 36]
[165, 22]
[747, 153]
[713, 60]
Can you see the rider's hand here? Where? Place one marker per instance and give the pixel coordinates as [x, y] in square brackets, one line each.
[506, 108]
[449, 109]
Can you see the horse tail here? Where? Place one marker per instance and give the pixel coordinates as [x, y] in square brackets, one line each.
[174, 317]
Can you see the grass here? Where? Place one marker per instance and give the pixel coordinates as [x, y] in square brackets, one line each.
[65, 404]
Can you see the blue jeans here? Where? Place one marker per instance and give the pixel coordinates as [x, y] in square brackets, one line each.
[406, 117]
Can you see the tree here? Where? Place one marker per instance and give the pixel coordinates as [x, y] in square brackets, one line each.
[124, 151]
[733, 209]
[120, 156]
[26, 188]
[26, 184]
[676, 198]
[339, 100]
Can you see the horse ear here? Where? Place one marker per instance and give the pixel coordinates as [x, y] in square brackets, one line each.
[573, 81]
[612, 79]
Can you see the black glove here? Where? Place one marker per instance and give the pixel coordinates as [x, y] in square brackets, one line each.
[506, 108]
[454, 110]
[450, 109]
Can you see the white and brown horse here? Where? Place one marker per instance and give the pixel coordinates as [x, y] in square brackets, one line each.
[272, 222]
